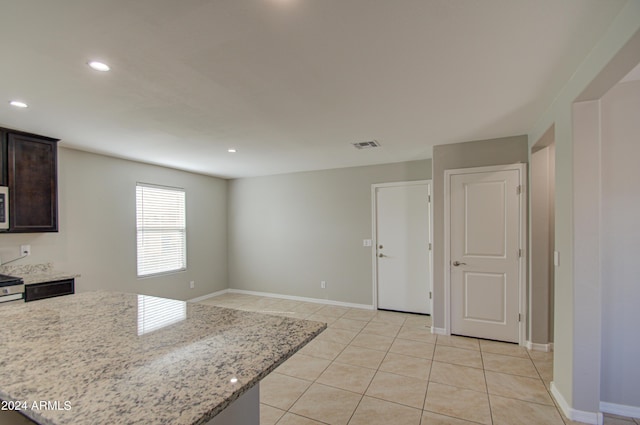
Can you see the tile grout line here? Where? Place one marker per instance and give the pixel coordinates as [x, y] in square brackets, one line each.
[387, 352]
[331, 363]
[312, 382]
[521, 376]
[426, 393]
[376, 370]
[553, 400]
[486, 384]
[375, 373]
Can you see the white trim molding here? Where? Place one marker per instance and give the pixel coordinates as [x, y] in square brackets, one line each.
[283, 297]
[594, 418]
[620, 409]
[438, 331]
[539, 347]
[305, 299]
[207, 296]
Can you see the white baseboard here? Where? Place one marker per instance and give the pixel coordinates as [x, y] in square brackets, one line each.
[204, 297]
[594, 418]
[539, 347]
[620, 409]
[296, 298]
[438, 331]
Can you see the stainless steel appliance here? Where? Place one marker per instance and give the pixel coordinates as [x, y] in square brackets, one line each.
[11, 289]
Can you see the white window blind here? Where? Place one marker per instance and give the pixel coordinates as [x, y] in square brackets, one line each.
[161, 226]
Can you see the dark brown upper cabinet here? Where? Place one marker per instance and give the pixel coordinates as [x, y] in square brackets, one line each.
[29, 169]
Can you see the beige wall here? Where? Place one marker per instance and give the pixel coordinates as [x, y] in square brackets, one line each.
[620, 234]
[540, 246]
[289, 232]
[541, 238]
[506, 150]
[614, 56]
[97, 236]
[552, 236]
[586, 262]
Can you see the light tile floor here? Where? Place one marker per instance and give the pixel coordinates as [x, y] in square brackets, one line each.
[379, 367]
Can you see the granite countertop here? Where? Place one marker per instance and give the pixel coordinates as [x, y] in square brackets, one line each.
[30, 279]
[36, 273]
[124, 358]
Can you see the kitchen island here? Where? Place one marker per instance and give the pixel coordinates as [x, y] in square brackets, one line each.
[107, 358]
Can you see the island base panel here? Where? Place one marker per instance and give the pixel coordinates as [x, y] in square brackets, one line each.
[245, 410]
[10, 417]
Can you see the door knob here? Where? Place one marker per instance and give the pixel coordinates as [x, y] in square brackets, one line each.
[381, 255]
[458, 263]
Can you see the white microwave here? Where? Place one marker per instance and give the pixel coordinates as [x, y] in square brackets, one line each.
[4, 207]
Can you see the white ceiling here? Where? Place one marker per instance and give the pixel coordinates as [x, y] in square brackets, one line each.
[289, 83]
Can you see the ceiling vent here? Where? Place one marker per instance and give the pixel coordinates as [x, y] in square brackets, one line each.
[366, 145]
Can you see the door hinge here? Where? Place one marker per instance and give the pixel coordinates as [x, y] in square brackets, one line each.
[519, 317]
[428, 198]
[519, 253]
[430, 294]
[429, 246]
[519, 189]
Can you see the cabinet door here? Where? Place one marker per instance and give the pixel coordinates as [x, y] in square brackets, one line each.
[4, 173]
[32, 178]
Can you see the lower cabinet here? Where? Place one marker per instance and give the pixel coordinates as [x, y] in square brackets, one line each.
[39, 291]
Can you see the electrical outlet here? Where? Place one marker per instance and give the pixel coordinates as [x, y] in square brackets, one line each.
[366, 242]
[192, 284]
[25, 249]
[323, 284]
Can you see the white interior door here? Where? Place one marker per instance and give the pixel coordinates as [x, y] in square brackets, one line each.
[484, 254]
[403, 235]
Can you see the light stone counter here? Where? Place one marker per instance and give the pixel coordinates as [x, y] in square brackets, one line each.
[30, 279]
[108, 357]
[36, 273]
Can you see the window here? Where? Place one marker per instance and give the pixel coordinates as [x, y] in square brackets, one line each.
[161, 227]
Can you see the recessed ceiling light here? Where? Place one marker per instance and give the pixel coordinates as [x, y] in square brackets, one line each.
[232, 150]
[99, 66]
[18, 104]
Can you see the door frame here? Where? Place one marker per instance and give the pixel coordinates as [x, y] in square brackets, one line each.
[374, 234]
[522, 242]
